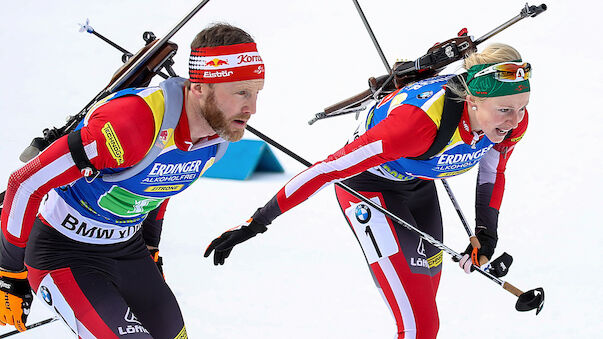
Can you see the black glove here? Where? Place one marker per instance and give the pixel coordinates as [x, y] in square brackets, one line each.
[158, 260]
[487, 240]
[16, 294]
[224, 243]
[500, 266]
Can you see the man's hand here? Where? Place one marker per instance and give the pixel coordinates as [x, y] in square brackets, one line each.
[223, 244]
[16, 294]
[481, 255]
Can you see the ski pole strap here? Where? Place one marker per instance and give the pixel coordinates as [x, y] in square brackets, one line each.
[78, 154]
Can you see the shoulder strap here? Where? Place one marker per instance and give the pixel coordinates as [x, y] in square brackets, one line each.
[172, 94]
[451, 116]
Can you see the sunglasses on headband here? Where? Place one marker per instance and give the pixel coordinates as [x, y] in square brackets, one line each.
[508, 71]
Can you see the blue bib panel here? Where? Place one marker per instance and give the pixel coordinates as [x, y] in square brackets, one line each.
[456, 158]
[127, 202]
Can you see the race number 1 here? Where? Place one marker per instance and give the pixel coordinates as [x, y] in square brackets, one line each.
[373, 231]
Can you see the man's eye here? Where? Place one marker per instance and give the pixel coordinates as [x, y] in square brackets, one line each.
[503, 110]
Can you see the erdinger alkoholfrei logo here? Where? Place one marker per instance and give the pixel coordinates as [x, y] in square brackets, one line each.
[363, 213]
[45, 293]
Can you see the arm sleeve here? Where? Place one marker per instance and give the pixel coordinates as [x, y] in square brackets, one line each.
[153, 224]
[406, 132]
[54, 167]
[491, 179]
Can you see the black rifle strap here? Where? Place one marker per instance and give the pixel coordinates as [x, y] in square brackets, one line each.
[76, 148]
[451, 116]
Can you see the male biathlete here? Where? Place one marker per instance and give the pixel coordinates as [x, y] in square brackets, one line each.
[87, 252]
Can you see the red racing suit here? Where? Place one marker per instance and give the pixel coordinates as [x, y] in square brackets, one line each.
[88, 259]
[377, 163]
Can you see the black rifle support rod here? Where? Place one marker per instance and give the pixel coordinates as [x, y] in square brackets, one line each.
[121, 49]
[372, 35]
[527, 11]
[142, 60]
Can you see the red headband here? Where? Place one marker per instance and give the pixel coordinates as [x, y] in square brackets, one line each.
[225, 63]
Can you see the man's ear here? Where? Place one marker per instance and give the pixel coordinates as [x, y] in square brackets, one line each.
[197, 89]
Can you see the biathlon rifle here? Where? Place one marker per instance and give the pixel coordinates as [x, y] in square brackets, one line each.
[137, 71]
[405, 72]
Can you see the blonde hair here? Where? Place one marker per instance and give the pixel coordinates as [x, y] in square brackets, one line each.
[494, 53]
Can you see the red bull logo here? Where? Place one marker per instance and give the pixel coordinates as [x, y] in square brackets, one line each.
[216, 62]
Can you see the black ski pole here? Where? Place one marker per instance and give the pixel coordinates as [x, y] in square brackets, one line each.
[472, 238]
[372, 35]
[29, 327]
[526, 301]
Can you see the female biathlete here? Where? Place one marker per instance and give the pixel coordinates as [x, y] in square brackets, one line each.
[383, 162]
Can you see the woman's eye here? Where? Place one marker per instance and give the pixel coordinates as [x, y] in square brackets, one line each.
[503, 110]
[242, 92]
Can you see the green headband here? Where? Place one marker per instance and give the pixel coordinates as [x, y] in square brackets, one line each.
[487, 85]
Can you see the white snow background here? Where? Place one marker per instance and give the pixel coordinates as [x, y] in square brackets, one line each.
[306, 277]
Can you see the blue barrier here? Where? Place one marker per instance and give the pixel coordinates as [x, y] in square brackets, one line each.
[243, 158]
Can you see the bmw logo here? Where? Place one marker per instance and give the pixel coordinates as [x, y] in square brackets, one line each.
[425, 95]
[363, 213]
[46, 295]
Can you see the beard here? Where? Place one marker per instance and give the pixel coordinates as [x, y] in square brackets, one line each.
[218, 122]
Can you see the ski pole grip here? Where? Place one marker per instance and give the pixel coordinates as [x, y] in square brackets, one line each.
[345, 103]
[516, 291]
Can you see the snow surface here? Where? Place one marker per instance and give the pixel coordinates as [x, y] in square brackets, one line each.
[306, 277]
